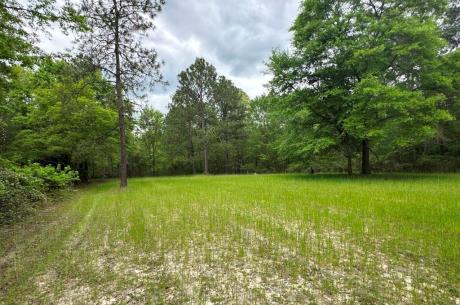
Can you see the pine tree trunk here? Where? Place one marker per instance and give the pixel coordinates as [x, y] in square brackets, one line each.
[192, 149]
[121, 112]
[205, 152]
[123, 154]
[366, 166]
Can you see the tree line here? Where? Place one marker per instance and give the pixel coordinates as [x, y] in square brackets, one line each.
[368, 85]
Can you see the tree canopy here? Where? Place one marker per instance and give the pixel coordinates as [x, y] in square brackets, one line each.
[357, 70]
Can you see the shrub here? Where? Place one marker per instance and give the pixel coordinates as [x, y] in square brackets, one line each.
[23, 188]
[49, 177]
[19, 195]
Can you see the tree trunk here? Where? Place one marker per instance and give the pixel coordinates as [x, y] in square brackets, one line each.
[153, 162]
[206, 171]
[193, 165]
[349, 165]
[205, 152]
[121, 111]
[366, 166]
[83, 172]
[227, 157]
[192, 149]
[123, 153]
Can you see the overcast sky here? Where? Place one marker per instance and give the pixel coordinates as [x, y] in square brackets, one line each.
[235, 36]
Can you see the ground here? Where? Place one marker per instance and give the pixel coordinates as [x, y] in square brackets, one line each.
[259, 239]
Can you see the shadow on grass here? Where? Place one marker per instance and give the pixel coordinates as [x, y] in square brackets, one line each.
[375, 177]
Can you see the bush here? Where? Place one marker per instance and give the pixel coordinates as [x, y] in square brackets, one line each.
[49, 177]
[18, 195]
[23, 188]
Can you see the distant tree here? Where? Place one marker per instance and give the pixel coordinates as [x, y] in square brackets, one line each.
[151, 127]
[181, 138]
[114, 43]
[195, 94]
[263, 130]
[231, 105]
[355, 74]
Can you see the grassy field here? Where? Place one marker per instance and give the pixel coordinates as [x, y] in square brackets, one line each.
[274, 239]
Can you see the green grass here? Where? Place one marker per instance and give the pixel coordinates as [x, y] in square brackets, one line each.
[261, 239]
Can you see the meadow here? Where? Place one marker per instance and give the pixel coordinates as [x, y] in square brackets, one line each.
[258, 239]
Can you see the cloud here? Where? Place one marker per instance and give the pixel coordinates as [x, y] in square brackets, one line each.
[159, 101]
[236, 36]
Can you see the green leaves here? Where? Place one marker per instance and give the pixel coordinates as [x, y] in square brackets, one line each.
[357, 72]
[59, 117]
[392, 116]
[206, 120]
[22, 188]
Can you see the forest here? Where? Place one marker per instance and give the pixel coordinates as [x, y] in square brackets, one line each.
[361, 111]
[374, 88]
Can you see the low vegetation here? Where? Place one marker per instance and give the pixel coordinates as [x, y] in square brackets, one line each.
[23, 188]
[259, 239]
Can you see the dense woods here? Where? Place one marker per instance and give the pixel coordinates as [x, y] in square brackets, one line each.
[367, 86]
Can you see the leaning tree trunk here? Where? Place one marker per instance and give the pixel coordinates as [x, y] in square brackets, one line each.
[366, 165]
[121, 112]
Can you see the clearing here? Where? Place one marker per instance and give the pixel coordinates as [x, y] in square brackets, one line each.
[260, 239]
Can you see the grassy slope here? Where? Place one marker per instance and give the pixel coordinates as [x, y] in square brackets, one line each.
[276, 239]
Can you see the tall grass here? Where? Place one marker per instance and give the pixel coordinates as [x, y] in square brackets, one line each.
[262, 239]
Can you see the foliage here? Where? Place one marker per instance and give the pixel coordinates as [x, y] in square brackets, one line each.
[343, 47]
[19, 195]
[393, 116]
[151, 126]
[196, 94]
[17, 19]
[376, 78]
[49, 178]
[23, 188]
[264, 130]
[207, 114]
[59, 115]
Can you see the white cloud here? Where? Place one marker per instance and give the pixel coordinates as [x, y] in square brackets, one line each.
[236, 36]
[159, 101]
